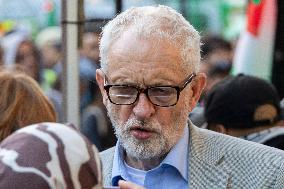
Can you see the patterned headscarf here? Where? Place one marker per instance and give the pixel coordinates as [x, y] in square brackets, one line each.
[49, 155]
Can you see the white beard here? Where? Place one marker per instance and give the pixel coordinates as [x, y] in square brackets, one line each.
[161, 141]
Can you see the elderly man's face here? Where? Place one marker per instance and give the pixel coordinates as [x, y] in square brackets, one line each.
[146, 131]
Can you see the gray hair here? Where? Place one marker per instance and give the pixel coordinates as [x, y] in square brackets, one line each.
[161, 22]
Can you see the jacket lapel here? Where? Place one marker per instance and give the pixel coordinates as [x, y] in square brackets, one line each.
[206, 168]
[107, 164]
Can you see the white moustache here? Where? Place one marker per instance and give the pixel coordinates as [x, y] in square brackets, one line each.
[133, 123]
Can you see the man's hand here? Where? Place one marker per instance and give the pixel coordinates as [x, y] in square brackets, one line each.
[128, 185]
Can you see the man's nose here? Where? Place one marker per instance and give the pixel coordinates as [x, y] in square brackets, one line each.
[143, 108]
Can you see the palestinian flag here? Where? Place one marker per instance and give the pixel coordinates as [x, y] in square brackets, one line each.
[254, 50]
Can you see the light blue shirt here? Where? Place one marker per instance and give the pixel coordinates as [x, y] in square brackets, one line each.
[171, 173]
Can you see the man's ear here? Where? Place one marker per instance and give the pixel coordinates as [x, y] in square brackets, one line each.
[221, 129]
[197, 88]
[100, 81]
[217, 128]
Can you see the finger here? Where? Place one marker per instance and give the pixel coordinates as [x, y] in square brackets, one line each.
[128, 185]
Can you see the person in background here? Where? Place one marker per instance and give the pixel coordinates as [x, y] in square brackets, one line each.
[247, 107]
[217, 55]
[95, 124]
[28, 56]
[150, 81]
[52, 60]
[22, 102]
[90, 49]
[88, 63]
[48, 41]
[61, 158]
[217, 50]
[216, 62]
[52, 69]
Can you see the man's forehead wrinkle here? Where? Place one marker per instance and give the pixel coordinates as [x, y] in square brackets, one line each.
[156, 68]
[145, 76]
[121, 60]
[150, 41]
[150, 55]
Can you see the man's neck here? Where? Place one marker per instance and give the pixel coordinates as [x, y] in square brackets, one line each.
[143, 164]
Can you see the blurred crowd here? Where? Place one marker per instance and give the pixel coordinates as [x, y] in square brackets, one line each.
[40, 57]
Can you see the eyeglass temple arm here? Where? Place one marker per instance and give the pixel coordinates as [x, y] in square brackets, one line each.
[187, 80]
[105, 81]
[105, 78]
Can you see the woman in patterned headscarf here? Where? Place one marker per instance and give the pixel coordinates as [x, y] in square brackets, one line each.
[50, 155]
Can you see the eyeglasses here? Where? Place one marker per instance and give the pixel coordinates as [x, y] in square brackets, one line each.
[164, 96]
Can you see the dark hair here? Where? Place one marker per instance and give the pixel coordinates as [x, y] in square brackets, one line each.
[212, 43]
[35, 53]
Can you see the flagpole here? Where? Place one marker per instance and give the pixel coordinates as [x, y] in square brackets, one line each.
[70, 80]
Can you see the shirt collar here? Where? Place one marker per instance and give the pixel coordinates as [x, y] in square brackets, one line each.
[180, 150]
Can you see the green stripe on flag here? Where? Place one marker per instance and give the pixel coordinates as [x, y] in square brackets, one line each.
[256, 1]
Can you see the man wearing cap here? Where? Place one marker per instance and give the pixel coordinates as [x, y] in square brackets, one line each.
[246, 107]
[150, 81]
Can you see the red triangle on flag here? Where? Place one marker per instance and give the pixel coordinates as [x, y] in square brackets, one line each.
[254, 12]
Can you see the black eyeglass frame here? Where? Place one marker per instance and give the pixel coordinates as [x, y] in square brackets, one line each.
[178, 89]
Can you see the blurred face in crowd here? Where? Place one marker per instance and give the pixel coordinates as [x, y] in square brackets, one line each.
[145, 130]
[220, 55]
[28, 58]
[51, 55]
[90, 47]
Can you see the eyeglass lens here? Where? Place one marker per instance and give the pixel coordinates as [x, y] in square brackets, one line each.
[163, 96]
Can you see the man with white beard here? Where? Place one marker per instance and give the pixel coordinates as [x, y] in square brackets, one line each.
[149, 81]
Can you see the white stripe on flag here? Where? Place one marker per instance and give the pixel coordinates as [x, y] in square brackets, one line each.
[253, 54]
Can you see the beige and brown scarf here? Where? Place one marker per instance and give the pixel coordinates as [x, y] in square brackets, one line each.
[49, 155]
